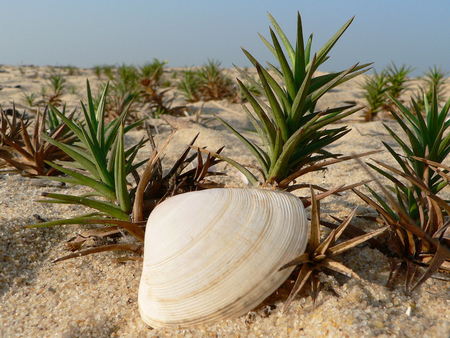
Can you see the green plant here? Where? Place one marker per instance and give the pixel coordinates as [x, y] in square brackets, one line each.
[101, 154]
[251, 88]
[152, 93]
[102, 163]
[415, 213]
[120, 99]
[207, 83]
[434, 80]
[53, 121]
[153, 70]
[98, 71]
[73, 90]
[124, 93]
[56, 85]
[375, 89]
[189, 85]
[397, 78]
[128, 77]
[108, 71]
[213, 83]
[30, 98]
[292, 132]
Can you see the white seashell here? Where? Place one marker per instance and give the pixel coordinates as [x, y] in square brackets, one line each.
[215, 254]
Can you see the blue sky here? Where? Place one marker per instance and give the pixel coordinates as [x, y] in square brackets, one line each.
[187, 33]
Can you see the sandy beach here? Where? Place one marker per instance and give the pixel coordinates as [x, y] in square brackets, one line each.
[95, 296]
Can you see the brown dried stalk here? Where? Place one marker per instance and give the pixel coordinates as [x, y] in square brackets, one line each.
[319, 255]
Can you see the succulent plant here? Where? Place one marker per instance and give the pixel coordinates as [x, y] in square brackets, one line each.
[28, 154]
[415, 212]
[207, 83]
[292, 133]
[189, 85]
[102, 163]
[54, 90]
[375, 89]
[397, 78]
[213, 83]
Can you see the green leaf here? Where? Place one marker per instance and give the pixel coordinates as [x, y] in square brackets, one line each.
[106, 207]
[288, 76]
[81, 179]
[77, 154]
[120, 175]
[280, 119]
[255, 151]
[323, 52]
[284, 39]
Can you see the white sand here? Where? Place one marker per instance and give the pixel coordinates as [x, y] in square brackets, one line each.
[95, 296]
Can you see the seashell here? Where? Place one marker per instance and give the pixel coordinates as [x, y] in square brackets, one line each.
[214, 254]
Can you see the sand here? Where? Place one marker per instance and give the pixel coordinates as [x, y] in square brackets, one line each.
[95, 296]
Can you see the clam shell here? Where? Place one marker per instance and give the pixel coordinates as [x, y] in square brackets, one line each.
[215, 254]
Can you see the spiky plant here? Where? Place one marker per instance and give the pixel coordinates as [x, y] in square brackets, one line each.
[28, 154]
[98, 71]
[29, 98]
[153, 70]
[54, 90]
[398, 79]
[102, 164]
[434, 77]
[189, 85]
[293, 134]
[12, 129]
[320, 255]
[374, 92]
[213, 83]
[415, 212]
[156, 97]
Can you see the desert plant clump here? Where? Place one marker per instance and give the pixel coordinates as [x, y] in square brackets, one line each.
[152, 71]
[189, 85]
[434, 79]
[398, 79]
[29, 99]
[412, 207]
[213, 83]
[102, 163]
[374, 92]
[108, 71]
[207, 83]
[97, 71]
[320, 255]
[139, 90]
[154, 93]
[28, 155]
[392, 80]
[293, 135]
[52, 92]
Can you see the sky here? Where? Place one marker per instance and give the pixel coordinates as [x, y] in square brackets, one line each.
[86, 33]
